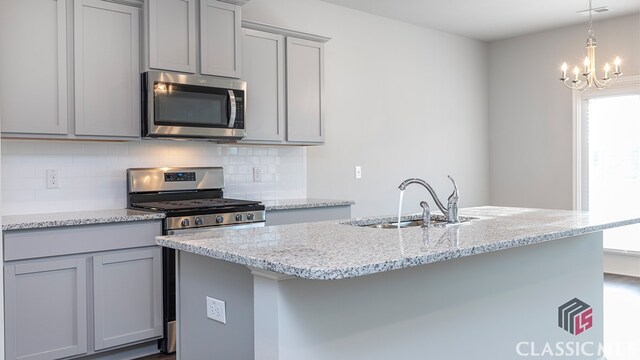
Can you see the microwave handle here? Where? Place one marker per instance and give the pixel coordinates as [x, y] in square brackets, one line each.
[232, 109]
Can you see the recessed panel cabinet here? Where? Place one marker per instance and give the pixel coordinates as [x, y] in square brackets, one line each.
[69, 69]
[284, 70]
[263, 69]
[305, 88]
[81, 290]
[106, 68]
[45, 309]
[172, 34]
[33, 66]
[127, 293]
[220, 36]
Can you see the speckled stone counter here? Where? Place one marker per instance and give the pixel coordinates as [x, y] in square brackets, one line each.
[333, 250]
[36, 221]
[291, 204]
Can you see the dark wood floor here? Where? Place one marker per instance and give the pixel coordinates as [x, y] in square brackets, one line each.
[621, 317]
[159, 357]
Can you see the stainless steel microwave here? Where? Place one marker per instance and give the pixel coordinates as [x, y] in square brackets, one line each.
[181, 106]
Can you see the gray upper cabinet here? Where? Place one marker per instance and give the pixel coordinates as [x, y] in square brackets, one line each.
[171, 33]
[33, 66]
[127, 293]
[305, 89]
[263, 69]
[284, 70]
[220, 37]
[106, 69]
[45, 309]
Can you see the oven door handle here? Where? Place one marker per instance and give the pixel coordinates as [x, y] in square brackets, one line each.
[231, 110]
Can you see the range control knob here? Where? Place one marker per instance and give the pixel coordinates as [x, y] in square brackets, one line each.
[239, 217]
[199, 221]
[219, 219]
[250, 216]
[185, 222]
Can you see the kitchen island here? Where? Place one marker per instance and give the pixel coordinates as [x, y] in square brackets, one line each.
[492, 288]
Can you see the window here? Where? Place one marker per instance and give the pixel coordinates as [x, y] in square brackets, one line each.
[609, 158]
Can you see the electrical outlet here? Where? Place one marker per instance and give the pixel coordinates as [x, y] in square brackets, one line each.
[216, 310]
[53, 179]
[257, 174]
[358, 172]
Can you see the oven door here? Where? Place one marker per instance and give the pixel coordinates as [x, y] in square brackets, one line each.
[188, 106]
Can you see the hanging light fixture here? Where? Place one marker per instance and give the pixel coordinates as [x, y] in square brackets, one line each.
[588, 70]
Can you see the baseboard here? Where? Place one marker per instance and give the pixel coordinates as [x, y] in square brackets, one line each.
[621, 262]
[126, 353]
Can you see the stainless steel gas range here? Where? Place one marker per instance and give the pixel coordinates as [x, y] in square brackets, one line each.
[192, 199]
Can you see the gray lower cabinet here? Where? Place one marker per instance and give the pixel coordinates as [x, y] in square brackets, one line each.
[45, 309]
[79, 291]
[127, 294]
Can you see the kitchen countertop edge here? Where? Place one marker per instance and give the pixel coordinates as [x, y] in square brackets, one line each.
[310, 203]
[78, 218]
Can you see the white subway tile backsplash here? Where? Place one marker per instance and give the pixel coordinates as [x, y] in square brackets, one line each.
[261, 151]
[233, 160]
[93, 174]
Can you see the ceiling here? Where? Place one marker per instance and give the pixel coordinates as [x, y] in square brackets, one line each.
[490, 20]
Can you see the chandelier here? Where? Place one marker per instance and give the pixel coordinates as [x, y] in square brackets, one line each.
[589, 67]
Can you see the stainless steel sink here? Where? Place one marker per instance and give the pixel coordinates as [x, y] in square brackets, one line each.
[436, 221]
[404, 224]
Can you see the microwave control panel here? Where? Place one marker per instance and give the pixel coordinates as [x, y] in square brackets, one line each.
[239, 123]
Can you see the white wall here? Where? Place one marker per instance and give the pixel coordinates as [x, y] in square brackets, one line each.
[92, 174]
[531, 111]
[401, 101]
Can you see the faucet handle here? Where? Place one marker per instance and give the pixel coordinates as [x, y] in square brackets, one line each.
[426, 213]
[455, 195]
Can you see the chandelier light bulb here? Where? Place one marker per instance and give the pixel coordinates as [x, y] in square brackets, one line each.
[564, 68]
[576, 72]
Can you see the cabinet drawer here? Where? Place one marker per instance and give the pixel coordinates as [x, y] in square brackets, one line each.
[29, 244]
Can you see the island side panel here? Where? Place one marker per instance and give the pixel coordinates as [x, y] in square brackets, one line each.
[474, 307]
[200, 337]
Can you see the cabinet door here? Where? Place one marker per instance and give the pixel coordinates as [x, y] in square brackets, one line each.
[45, 309]
[172, 35]
[107, 69]
[33, 66]
[263, 69]
[220, 34]
[305, 88]
[127, 296]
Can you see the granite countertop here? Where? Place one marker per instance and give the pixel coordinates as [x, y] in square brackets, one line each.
[335, 250]
[291, 204]
[37, 221]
